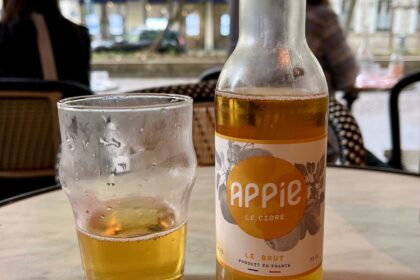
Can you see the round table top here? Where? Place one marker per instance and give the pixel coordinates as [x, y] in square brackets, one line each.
[372, 230]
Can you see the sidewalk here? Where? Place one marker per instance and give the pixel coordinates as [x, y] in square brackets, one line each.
[187, 65]
[372, 114]
[132, 84]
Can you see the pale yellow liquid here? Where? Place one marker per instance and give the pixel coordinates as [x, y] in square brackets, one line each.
[126, 241]
[292, 117]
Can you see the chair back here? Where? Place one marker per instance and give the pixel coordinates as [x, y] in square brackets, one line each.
[29, 136]
[395, 157]
[350, 140]
[29, 130]
[347, 132]
[203, 115]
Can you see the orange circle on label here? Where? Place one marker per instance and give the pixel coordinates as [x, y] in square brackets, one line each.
[266, 196]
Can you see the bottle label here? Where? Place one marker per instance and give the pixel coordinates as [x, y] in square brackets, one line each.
[270, 205]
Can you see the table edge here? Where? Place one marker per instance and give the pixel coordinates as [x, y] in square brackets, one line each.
[376, 169]
[30, 194]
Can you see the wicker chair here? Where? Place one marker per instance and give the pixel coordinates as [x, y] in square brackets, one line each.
[29, 133]
[347, 132]
[29, 137]
[203, 115]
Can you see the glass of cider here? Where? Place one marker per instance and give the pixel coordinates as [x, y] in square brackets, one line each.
[128, 166]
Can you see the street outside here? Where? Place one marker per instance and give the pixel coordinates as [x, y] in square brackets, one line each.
[372, 114]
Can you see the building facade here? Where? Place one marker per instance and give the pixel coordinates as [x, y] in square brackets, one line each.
[387, 23]
[205, 24]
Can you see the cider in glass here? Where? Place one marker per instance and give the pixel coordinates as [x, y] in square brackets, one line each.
[133, 240]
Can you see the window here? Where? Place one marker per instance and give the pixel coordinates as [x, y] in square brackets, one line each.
[384, 15]
[116, 24]
[193, 25]
[156, 23]
[365, 16]
[92, 22]
[225, 25]
[418, 17]
[405, 17]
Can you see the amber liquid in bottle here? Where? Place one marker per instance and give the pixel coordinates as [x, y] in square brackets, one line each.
[290, 116]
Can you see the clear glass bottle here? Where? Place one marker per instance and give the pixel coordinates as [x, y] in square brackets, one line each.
[396, 60]
[271, 137]
[364, 55]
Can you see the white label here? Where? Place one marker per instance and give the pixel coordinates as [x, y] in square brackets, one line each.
[270, 206]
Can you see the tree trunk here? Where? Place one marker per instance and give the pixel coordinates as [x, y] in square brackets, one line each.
[349, 17]
[174, 16]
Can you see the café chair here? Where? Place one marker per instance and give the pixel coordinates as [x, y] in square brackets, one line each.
[347, 132]
[29, 132]
[344, 126]
[210, 74]
[204, 122]
[395, 158]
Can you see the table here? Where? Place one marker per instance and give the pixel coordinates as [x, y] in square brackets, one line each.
[370, 81]
[351, 94]
[372, 230]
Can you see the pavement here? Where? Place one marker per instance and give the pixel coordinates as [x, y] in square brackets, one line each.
[132, 84]
[372, 114]
[370, 110]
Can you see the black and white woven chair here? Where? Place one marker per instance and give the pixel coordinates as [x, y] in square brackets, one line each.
[347, 132]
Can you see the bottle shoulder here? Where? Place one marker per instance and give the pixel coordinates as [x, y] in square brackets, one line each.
[253, 67]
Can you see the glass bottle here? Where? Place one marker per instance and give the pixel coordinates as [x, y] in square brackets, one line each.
[364, 55]
[396, 60]
[271, 137]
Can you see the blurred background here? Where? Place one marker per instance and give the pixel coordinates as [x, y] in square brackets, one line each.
[124, 31]
[145, 43]
[142, 44]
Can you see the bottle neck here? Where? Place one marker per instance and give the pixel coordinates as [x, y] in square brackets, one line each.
[272, 23]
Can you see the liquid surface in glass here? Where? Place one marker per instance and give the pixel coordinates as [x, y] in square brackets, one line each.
[130, 241]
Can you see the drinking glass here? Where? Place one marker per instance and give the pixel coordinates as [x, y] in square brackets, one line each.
[128, 166]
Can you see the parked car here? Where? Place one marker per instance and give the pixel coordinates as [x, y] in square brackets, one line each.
[101, 45]
[143, 39]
